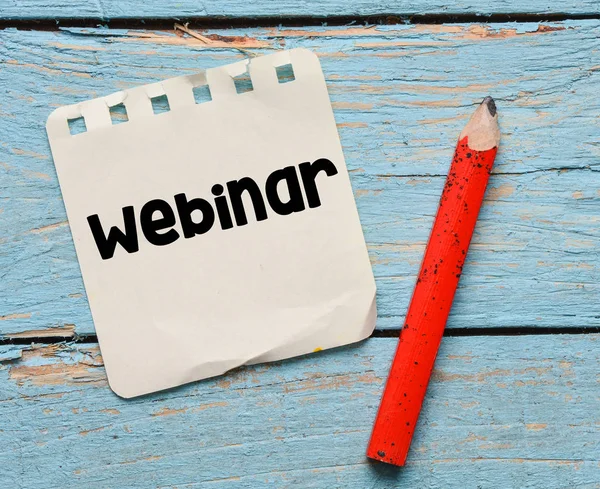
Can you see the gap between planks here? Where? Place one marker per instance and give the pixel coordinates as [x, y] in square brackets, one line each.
[50, 24]
[386, 333]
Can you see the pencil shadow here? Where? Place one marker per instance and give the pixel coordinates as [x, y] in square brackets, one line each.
[383, 472]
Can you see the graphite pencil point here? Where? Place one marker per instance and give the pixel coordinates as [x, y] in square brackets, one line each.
[491, 105]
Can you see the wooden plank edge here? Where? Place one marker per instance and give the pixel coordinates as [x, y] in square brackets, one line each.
[165, 21]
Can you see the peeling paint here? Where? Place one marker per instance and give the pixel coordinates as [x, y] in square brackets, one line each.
[47, 374]
[49, 227]
[18, 315]
[66, 331]
[496, 193]
[47, 70]
[111, 411]
[216, 41]
[486, 32]
[334, 382]
[93, 430]
[168, 412]
[32, 154]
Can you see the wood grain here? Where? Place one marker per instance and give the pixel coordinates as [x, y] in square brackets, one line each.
[400, 95]
[500, 412]
[234, 9]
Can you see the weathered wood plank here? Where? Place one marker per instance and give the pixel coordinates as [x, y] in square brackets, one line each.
[401, 95]
[501, 412]
[235, 9]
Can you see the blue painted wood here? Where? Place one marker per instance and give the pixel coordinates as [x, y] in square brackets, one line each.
[501, 412]
[401, 95]
[233, 9]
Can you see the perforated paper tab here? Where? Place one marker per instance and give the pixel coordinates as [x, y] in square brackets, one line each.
[216, 234]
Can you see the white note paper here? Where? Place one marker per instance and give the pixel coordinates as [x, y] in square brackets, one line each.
[215, 234]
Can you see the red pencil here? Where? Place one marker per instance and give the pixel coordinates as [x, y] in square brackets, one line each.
[432, 298]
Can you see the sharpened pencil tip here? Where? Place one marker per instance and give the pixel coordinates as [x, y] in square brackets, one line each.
[491, 105]
[482, 128]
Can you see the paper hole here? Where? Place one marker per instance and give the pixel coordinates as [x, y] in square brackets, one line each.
[202, 94]
[243, 83]
[118, 114]
[285, 73]
[160, 104]
[77, 126]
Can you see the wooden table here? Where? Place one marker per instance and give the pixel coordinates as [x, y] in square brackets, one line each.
[515, 396]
